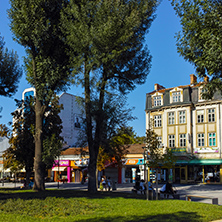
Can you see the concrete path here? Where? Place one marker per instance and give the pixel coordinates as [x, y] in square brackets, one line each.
[209, 190]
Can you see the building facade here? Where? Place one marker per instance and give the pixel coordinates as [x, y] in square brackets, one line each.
[71, 116]
[190, 127]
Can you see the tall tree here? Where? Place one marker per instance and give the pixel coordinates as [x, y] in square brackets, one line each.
[35, 24]
[21, 152]
[200, 40]
[10, 72]
[108, 36]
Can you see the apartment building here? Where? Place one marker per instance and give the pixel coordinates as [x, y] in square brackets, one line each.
[190, 127]
[71, 116]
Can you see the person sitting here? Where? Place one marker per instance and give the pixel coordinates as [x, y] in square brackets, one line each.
[167, 189]
[142, 186]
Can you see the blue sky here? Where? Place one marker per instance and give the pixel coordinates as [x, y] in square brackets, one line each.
[168, 68]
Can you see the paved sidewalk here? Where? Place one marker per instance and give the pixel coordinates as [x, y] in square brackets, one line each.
[209, 190]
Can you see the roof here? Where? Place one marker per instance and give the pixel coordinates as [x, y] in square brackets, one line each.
[185, 86]
[132, 149]
[75, 151]
[136, 148]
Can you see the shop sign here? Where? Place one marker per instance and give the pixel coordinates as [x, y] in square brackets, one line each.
[62, 163]
[206, 150]
[178, 150]
[132, 162]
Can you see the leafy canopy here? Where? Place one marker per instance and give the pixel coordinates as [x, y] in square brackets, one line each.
[200, 41]
[10, 72]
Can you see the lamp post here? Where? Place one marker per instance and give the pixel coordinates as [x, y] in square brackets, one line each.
[2, 170]
[146, 158]
[58, 173]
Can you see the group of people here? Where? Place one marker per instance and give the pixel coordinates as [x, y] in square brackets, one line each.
[141, 185]
[166, 189]
[105, 183]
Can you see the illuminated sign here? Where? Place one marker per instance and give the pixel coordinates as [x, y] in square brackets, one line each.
[62, 163]
[206, 150]
[132, 162]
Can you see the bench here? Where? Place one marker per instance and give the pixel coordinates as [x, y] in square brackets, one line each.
[134, 190]
[214, 200]
[175, 195]
[63, 180]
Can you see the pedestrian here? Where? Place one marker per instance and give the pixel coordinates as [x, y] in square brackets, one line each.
[104, 182]
[109, 183]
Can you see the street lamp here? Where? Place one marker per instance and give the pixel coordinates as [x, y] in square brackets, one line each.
[2, 170]
[146, 158]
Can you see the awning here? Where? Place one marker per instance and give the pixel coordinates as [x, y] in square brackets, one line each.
[205, 162]
[182, 162]
[58, 168]
[201, 162]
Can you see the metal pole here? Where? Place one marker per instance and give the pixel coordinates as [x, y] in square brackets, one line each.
[58, 173]
[3, 172]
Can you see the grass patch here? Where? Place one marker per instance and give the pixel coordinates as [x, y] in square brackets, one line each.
[70, 205]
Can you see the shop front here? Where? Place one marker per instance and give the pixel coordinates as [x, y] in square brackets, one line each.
[62, 170]
[132, 169]
[198, 171]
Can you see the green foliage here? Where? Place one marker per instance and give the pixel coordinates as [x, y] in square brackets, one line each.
[169, 160]
[10, 72]
[4, 131]
[107, 38]
[200, 41]
[36, 25]
[152, 144]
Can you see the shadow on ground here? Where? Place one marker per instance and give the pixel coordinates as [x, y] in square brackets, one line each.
[10, 193]
[177, 217]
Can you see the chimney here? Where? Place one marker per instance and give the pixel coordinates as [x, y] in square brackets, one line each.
[157, 87]
[206, 79]
[193, 79]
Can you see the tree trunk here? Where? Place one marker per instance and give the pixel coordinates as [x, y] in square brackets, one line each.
[94, 149]
[92, 156]
[38, 165]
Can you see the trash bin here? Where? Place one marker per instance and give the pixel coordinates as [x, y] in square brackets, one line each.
[114, 185]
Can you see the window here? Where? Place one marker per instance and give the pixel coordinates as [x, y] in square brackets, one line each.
[182, 117]
[211, 115]
[171, 141]
[157, 121]
[201, 91]
[212, 139]
[182, 140]
[176, 97]
[157, 100]
[200, 139]
[200, 116]
[159, 138]
[171, 118]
